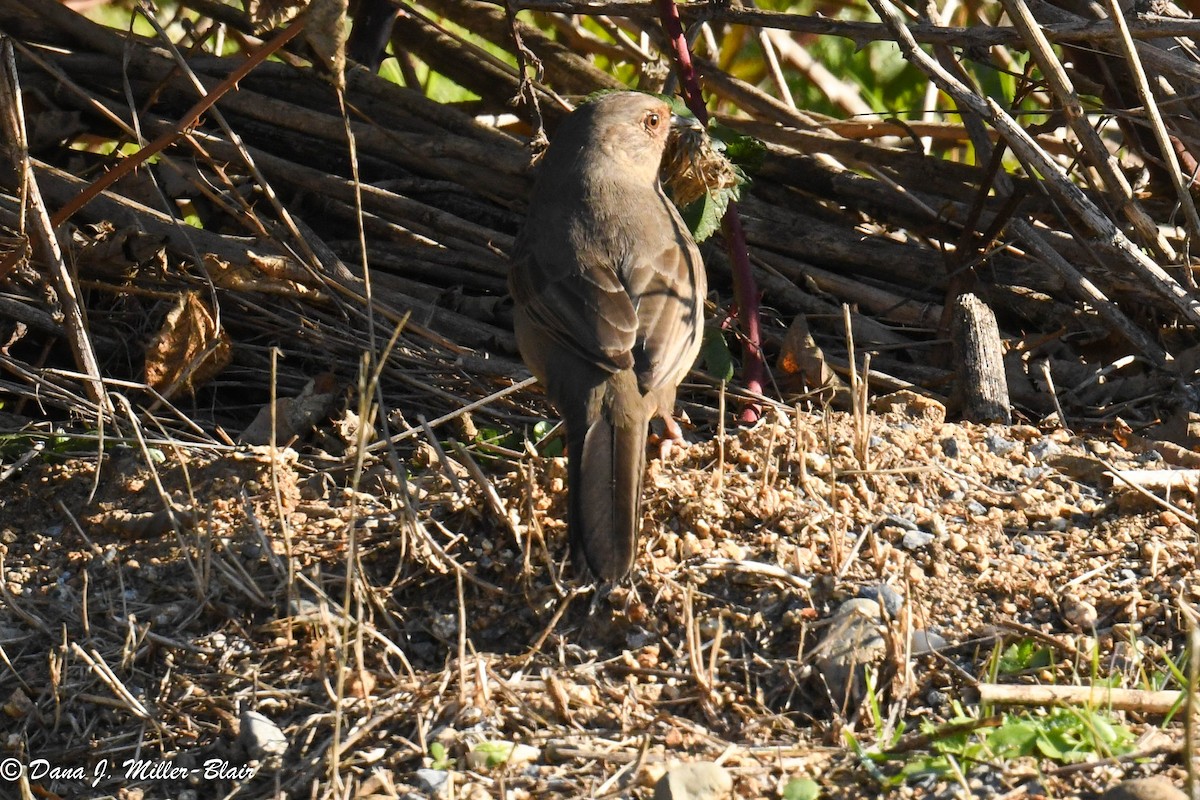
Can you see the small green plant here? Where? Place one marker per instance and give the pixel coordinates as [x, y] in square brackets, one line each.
[438, 758]
[542, 430]
[1024, 656]
[1063, 735]
[15, 445]
[802, 789]
[497, 437]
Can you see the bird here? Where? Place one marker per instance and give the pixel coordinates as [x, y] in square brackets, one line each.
[608, 293]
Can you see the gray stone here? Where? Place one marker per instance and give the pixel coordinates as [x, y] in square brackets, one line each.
[263, 739]
[893, 601]
[1156, 788]
[915, 540]
[998, 444]
[924, 641]
[1043, 449]
[432, 781]
[695, 780]
[901, 522]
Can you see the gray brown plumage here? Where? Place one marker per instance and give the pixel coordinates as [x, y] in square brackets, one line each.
[609, 291]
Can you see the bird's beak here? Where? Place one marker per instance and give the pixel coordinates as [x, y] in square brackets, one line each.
[682, 123]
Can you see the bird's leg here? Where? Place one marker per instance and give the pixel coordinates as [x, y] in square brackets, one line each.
[674, 435]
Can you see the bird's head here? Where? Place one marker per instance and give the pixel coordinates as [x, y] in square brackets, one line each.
[629, 128]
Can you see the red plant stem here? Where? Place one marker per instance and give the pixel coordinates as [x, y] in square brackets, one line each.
[683, 59]
[745, 294]
[745, 288]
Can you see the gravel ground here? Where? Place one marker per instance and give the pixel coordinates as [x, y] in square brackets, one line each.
[226, 633]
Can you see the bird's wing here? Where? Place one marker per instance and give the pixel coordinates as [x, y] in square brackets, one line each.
[583, 308]
[667, 284]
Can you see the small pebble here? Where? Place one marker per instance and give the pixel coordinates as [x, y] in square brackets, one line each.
[998, 445]
[696, 780]
[262, 738]
[901, 522]
[432, 781]
[1156, 788]
[924, 641]
[915, 540]
[893, 601]
[1043, 449]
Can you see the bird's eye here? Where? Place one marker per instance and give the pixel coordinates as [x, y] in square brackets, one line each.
[653, 119]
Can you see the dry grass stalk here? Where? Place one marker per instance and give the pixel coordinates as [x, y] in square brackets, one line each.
[1146, 702]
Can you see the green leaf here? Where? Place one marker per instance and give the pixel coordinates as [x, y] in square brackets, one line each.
[746, 152]
[191, 216]
[677, 105]
[552, 448]
[802, 789]
[495, 753]
[437, 757]
[1024, 655]
[1014, 738]
[389, 70]
[703, 217]
[1105, 732]
[1053, 745]
[714, 350]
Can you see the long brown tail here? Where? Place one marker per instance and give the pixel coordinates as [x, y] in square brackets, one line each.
[605, 468]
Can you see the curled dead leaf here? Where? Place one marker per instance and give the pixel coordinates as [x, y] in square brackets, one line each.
[803, 365]
[189, 349]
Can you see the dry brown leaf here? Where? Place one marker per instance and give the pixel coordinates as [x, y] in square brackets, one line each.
[362, 684]
[294, 416]
[802, 363]
[326, 34]
[189, 350]
[282, 277]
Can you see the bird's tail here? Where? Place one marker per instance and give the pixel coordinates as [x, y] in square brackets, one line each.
[606, 464]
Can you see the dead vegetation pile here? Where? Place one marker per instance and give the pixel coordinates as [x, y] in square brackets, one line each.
[394, 594]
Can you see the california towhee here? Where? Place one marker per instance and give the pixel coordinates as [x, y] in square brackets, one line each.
[609, 292]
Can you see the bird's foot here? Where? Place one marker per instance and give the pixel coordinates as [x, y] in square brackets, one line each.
[672, 437]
